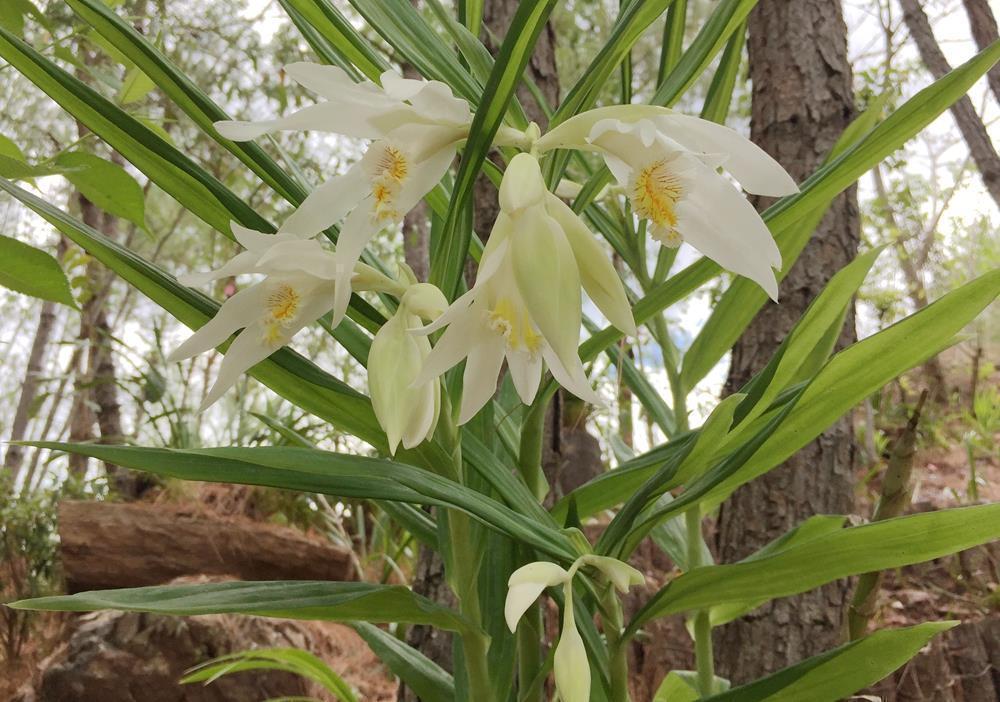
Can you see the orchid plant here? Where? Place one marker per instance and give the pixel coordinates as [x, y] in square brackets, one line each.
[458, 380]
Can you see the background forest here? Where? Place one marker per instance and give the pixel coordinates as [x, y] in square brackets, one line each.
[95, 370]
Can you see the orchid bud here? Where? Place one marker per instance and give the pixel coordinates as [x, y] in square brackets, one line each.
[525, 585]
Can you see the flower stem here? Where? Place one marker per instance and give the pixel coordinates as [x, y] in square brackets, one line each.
[702, 624]
[529, 460]
[529, 654]
[617, 646]
[475, 644]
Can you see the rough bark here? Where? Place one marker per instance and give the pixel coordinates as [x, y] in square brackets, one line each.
[108, 545]
[14, 457]
[802, 100]
[969, 124]
[984, 30]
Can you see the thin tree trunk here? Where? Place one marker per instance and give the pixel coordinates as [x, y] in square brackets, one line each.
[984, 30]
[915, 288]
[973, 130]
[14, 458]
[802, 100]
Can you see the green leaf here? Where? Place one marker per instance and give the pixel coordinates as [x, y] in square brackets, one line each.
[405, 30]
[285, 372]
[823, 317]
[837, 674]
[634, 19]
[105, 184]
[448, 257]
[135, 87]
[11, 150]
[139, 51]
[682, 686]
[425, 677]
[328, 473]
[818, 525]
[744, 299]
[720, 92]
[919, 111]
[171, 170]
[341, 35]
[289, 660]
[832, 555]
[863, 368]
[28, 270]
[291, 599]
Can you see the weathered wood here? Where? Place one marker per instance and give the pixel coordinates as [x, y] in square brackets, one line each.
[107, 545]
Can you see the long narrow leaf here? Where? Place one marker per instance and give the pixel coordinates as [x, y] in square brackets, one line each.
[289, 599]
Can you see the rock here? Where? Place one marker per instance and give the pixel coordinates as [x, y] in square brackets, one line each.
[137, 657]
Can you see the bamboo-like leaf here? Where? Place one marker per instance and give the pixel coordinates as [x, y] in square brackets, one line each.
[892, 543]
[630, 25]
[289, 660]
[841, 172]
[174, 172]
[744, 298]
[405, 30]
[838, 674]
[288, 599]
[285, 371]
[449, 253]
[673, 39]
[328, 473]
[861, 369]
[185, 94]
[847, 379]
[342, 36]
[720, 92]
[421, 674]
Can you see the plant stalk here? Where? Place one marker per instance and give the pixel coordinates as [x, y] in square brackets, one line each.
[529, 460]
[704, 657]
[529, 654]
[617, 646]
[894, 498]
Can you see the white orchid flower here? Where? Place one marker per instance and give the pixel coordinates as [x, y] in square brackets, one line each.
[417, 126]
[525, 306]
[407, 411]
[526, 584]
[299, 287]
[667, 162]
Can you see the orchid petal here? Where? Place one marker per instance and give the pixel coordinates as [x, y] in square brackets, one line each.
[753, 167]
[238, 311]
[327, 204]
[479, 381]
[525, 585]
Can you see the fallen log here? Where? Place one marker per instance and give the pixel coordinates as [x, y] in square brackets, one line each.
[108, 545]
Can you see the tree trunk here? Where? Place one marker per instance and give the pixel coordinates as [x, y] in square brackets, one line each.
[984, 30]
[14, 457]
[108, 545]
[969, 123]
[802, 100]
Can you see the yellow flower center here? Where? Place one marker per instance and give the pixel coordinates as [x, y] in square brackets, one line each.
[391, 169]
[515, 327]
[654, 192]
[280, 307]
[283, 302]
